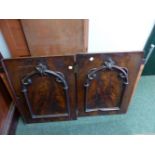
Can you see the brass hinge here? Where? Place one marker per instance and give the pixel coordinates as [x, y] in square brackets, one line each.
[75, 68]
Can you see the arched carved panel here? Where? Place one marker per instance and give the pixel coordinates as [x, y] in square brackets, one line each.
[104, 87]
[37, 98]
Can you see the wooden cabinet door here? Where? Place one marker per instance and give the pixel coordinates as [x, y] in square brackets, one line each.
[43, 87]
[105, 82]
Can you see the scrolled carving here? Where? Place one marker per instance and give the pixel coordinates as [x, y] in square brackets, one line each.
[58, 79]
[41, 68]
[27, 81]
[108, 65]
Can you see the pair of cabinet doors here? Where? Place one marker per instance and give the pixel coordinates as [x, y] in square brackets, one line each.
[56, 88]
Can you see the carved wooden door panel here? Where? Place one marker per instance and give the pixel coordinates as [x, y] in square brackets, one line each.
[43, 87]
[105, 82]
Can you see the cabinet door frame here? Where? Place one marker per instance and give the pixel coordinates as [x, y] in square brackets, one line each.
[65, 77]
[92, 63]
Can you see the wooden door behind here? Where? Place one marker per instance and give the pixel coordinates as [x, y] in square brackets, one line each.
[56, 36]
[30, 37]
[105, 81]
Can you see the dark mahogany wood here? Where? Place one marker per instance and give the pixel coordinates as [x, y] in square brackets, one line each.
[56, 36]
[43, 87]
[105, 81]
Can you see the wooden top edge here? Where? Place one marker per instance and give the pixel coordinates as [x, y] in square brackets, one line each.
[73, 55]
[111, 52]
[28, 57]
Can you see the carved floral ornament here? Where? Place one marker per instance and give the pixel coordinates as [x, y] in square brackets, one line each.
[108, 65]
